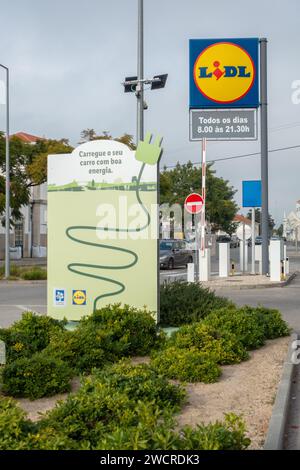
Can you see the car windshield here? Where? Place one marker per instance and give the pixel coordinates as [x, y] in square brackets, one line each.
[166, 245]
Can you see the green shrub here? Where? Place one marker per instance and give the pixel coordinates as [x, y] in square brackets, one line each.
[242, 322]
[182, 302]
[224, 347]
[135, 330]
[29, 335]
[107, 414]
[270, 320]
[106, 336]
[227, 435]
[82, 348]
[139, 382]
[34, 274]
[14, 271]
[188, 365]
[14, 426]
[35, 377]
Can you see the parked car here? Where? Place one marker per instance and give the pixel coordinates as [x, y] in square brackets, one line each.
[258, 240]
[234, 242]
[223, 239]
[173, 253]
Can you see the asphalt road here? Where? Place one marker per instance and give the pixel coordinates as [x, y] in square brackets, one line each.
[17, 297]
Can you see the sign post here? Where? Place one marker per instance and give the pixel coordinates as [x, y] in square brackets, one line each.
[194, 204]
[253, 240]
[264, 156]
[202, 247]
[252, 198]
[223, 96]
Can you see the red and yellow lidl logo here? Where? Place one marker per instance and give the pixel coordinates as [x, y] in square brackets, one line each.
[223, 73]
[79, 297]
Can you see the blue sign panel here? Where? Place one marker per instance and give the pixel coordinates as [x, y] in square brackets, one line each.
[251, 193]
[224, 73]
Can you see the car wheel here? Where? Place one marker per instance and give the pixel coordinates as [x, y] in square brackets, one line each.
[171, 263]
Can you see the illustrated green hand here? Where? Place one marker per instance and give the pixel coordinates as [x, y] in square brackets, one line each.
[148, 152]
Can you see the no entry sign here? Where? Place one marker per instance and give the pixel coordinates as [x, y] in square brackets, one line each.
[194, 203]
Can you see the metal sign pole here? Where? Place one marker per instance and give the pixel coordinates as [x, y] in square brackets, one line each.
[244, 247]
[197, 245]
[7, 180]
[253, 242]
[202, 247]
[264, 156]
[140, 73]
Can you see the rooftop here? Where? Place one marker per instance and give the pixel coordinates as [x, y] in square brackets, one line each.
[29, 138]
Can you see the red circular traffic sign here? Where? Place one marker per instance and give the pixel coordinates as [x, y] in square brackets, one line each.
[194, 203]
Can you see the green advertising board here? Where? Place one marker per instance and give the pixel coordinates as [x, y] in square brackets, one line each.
[102, 228]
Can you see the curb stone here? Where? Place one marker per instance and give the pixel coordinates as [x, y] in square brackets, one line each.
[275, 435]
[253, 286]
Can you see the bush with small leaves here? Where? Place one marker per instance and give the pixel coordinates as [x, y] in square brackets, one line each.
[239, 321]
[270, 321]
[29, 335]
[139, 382]
[188, 365]
[37, 376]
[224, 347]
[183, 302]
[14, 426]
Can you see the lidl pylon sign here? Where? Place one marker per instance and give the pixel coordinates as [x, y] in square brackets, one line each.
[224, 73]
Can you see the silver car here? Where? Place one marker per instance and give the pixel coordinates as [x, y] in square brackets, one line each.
[173, 253]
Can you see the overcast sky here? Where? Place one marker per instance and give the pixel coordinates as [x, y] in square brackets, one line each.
[69, 57]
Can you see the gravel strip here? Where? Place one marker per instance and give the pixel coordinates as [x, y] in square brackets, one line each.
[247, 389]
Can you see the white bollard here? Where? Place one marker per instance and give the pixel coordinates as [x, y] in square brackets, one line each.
[243, 266]
[287, 266]
[224, 259]
[275, 260]
[204, 265]
[258, 257]
[190, 272]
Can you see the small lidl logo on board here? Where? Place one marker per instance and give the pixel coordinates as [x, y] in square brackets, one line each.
[79, 297]
[223, 73]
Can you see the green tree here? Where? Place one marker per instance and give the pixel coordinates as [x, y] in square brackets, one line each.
[177, 183]
[90, 134]
[28, 167]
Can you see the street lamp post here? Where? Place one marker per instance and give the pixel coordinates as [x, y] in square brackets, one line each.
[7, 184]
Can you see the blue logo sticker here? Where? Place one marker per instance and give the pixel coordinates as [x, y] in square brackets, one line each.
[59, 297]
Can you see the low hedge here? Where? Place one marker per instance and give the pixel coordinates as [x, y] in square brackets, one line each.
[139, 382]
[188, 365]
[106, 336]
[14, 426]
[37, 376]
[34, 274]
[127, 407]
[183, 302]
[251, 325]
[224, 347]
[29, 335]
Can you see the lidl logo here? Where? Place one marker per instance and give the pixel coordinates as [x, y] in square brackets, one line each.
[79, 297]
[223, 73]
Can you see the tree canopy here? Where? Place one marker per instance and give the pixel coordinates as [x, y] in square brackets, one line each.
[177, 183]
[28, 168]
